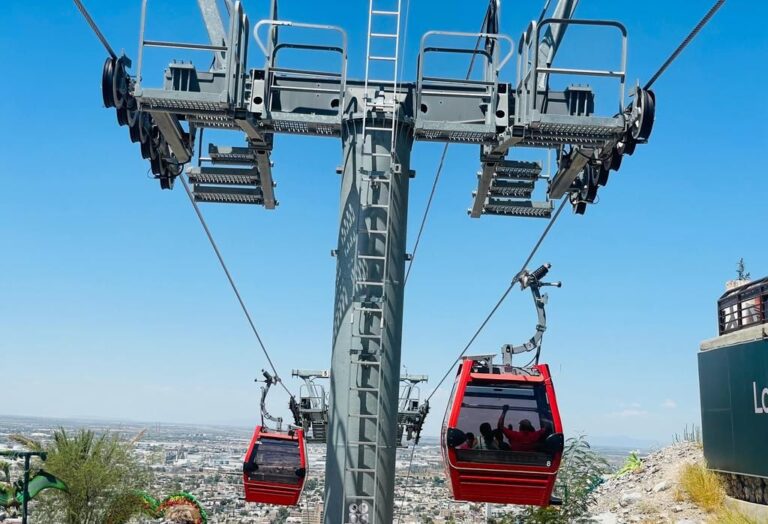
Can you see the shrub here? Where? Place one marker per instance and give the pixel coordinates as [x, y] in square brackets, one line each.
[581, 471]
[632, 462]
[702, 486]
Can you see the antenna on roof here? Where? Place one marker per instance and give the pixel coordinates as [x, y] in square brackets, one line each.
[741, 271]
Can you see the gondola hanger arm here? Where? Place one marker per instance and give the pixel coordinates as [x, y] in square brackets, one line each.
[532, 280]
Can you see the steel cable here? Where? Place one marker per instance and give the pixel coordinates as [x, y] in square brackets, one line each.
[439, 168]
[503, 296]
[231, 281]
[95, 28]
[684, 44]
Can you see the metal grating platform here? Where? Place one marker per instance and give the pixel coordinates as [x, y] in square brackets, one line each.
[228, 195]
[507, 188]
[500, 206]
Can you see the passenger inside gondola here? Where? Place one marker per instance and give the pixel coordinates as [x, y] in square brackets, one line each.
[486, 437]
[527, 438]
[470, 443]
[522, 406]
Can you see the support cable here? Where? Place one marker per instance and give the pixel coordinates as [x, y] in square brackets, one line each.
[231, 281]
[440, 167]
[503, 296]
[684, 43]
[95, 28]
[405, 484]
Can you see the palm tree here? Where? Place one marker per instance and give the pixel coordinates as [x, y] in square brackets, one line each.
[102, 475]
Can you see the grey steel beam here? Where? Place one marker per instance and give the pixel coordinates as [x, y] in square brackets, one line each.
[171, 129]
[550, 43]
[347, 463]
[215, 27]
[483, 184]
[267, 184]
[568, 171]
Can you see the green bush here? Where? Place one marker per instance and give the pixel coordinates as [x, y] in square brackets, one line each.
[581, 471]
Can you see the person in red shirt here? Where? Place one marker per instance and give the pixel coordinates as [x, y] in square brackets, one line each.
[526, 439]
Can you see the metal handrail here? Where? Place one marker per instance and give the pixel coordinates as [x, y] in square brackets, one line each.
[749, 312]
[532, 35]
[271, 53]
[238, 22]
[491, 79]
[523, 69]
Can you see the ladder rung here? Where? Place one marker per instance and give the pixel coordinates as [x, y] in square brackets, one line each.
[371, 471]
[366, 363]
[375, 206]
[358, 415]
[366, 308]
[371, 257]
[370, 390]
[384, 35]
[361, 443]
[372, 128]
[369, 283]
[373, 231]
[388, 155]
[389, 13]
[383, 58]
[364, 335]
[367, 497]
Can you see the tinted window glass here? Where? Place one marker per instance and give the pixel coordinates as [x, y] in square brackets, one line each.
[275, 460]
[527, 423]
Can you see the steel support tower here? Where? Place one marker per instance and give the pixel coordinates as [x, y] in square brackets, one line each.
[377, 119]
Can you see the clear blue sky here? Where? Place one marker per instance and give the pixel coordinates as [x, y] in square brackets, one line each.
[112, 304]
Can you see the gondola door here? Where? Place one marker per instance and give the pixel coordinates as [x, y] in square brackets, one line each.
[502, 437]
[275, 467]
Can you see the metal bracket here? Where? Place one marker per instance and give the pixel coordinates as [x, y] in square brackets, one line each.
[533, 281]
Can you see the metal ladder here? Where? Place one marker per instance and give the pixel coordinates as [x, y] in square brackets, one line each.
[371, 274]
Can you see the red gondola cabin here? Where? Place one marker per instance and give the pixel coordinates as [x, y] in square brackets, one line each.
[502, 438]
[274, 468]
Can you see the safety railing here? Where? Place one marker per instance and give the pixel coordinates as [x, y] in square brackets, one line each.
[233, 55]
[743, 307]
[312, 399]
[487, 88]
[275, 72]
[408, 396]
[529, 70]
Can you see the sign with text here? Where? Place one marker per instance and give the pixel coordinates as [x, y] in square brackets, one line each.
[733, 383]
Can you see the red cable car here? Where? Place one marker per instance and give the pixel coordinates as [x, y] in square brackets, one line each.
[275, 467]
[502, 439]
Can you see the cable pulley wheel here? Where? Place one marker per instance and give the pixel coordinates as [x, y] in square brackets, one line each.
[155, 163]
[122, 115]
[644, 105]
[144, 137]
[616, 158]
[579, 207]
[119, 85]
[146, 147]
[135, 123]
[107, 74]
[603, 172]
[589, 189]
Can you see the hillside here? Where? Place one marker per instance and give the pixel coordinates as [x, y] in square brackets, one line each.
[652, 491]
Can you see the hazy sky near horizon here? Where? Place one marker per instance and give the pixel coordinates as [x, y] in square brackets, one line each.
[113, 305]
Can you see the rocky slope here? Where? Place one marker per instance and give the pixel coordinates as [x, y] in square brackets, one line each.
[651, 493]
